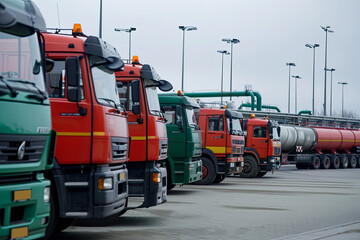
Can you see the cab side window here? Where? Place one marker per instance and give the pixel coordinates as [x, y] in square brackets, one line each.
[55, 81]
[260, 132]
[216, 123]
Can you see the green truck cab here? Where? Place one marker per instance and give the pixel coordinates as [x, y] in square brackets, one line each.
[183, 163]
[26, 140]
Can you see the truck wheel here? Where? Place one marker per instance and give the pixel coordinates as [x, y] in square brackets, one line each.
[261, 174]
[335, 162]
[63, 224]
[251, 167]
[315, 164]
[353, 160]
[208, 171]
[219, 178]
[344, 161]
[53, 219]
[325, 163]
[301, 166]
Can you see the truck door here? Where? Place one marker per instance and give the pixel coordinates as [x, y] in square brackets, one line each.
[73, 130]
[216, 135]
[260, 141]
[175, 130]
[136, 119]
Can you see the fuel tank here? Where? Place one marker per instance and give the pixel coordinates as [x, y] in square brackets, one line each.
[318, 139]
[335, 139]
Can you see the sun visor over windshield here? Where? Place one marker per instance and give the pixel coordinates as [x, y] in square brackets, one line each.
[21, 12]
[98, 47]
[233, 114]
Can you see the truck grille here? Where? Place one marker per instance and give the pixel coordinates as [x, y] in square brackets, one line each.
[237, 142]
[277, 151]
[119, 148]
[21, 148]
[163, 148]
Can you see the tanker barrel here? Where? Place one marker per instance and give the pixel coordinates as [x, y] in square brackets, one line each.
[294, 136]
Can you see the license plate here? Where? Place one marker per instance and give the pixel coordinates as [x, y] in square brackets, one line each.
[22, 195]
[19, 232]
[232, 164]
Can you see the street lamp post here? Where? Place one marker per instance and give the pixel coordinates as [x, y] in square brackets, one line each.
[232, 42]
[290, 65]
[184, 28]
[331, 70]
[342, 108]
[326, 29]
[223, 52]
[296, 78]
[100, 20]
[313, 92]
[128, 30]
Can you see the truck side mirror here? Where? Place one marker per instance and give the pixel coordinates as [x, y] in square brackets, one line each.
[73, 79]
[135, 96]
[178, 114]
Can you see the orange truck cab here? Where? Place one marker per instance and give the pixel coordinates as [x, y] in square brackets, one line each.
[223, 144]
[89, 178]
[148, 152]
[263, 147]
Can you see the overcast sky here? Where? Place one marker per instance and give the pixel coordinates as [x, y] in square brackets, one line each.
[271, 33]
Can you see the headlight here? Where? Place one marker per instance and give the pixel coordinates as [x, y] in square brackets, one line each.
[47, 194]
[105, 183]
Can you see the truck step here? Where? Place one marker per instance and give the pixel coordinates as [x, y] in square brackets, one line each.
[76, 184]
[76, 214]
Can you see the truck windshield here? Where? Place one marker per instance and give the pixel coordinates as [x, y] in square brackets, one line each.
[275, 134]
[20, 63]
[190, 115]
[234, 126]
[152, 98]
[104, 80]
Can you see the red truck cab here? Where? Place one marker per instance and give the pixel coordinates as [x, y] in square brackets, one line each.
[263, 147]
[223, 144]
[89, 178]
[148, 138]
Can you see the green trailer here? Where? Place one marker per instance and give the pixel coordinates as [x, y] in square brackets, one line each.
[26, 140]
[183, 162]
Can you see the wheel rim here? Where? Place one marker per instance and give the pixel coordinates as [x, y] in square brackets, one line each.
[317, 162]
[327, 162]
[337, 161]
[353, 161]
[345, 162]
[247, 167]
[205, 171]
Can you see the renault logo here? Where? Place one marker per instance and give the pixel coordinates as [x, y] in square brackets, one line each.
[21, 151]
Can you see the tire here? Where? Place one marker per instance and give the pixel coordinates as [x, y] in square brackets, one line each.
[301, 166]
[353, 161]
[219, 178]
[122, 212]
[54, 216]
[251, 167]
[63, 224]
[261, 174]
[169, 179]
[316, 162]
[344, 161]
[325, 163]
[335, 161]
[208, 170]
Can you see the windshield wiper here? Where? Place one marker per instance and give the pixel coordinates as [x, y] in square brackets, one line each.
[12, 90]
[110, 101]
[42, 96]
